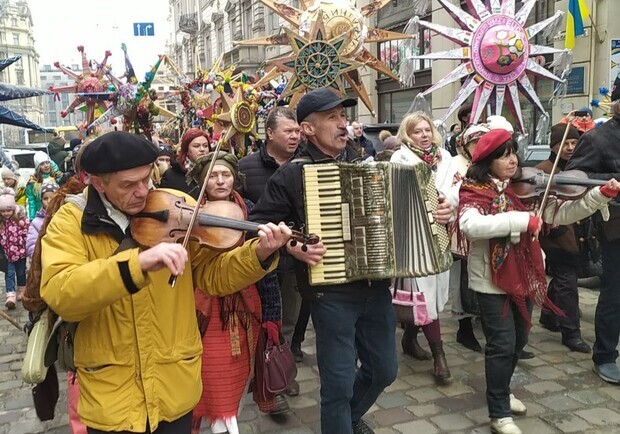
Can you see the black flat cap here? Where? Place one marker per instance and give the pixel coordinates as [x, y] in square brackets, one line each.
[320, 100]
[116, 151]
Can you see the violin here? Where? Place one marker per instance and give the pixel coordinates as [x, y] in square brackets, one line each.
[220, 224]
[568, 185]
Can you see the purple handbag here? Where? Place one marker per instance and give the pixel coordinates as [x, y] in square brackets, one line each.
[409, 306]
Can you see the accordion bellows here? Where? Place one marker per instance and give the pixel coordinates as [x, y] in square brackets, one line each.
[375, 220]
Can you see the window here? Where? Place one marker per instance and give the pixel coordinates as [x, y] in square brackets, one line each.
[208, 49]
[394, 105]
[15, 38]
[14, 22]
[2, 37]
[273, 22]
[57, 77]
[161, 88]
[246, 19]
[219, 30]
[20, 76]
[391, 53]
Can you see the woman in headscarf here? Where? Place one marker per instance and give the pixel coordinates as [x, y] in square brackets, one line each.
[230, 326]
[194, 144]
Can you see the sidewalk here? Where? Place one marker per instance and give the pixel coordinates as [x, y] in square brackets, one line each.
[561, 392]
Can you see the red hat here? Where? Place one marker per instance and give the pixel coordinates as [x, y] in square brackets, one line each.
[489, 142]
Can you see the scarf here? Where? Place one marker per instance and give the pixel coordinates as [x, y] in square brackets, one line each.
[234, 310]
[431, 156]
[188, 165]
[517, 269]
[561, 164]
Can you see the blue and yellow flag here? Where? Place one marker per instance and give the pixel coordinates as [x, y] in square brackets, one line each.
[577, 13]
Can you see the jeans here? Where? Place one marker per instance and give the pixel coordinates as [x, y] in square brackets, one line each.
[182, 425]
[564, 293]
[302, 323]
[506, 332]
[367, 326]
[606, 318]
[15, 268]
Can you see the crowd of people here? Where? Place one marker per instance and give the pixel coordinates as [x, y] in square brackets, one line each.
[148, 358]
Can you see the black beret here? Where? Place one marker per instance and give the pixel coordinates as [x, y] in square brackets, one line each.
[116, 151]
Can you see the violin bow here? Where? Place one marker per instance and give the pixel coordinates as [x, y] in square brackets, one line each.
[173, 279]
[11, 320]
[545, 198]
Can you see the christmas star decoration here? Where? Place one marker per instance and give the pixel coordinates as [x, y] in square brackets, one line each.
[496, 55]
[339, 17]
[237, 119]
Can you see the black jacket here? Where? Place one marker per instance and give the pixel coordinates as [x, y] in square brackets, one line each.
[174, 178]
[283, 200]
[366, 144]
[598, 154]
[257, 168]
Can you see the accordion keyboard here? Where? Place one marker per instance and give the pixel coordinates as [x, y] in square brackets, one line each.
[325, 208]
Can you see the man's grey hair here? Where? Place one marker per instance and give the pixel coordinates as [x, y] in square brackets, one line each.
[276, 113]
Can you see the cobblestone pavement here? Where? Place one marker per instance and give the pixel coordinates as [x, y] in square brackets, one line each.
[559, 388]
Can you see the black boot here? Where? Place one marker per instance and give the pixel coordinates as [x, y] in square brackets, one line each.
[410, 343]
[466, 337]
[441, 370]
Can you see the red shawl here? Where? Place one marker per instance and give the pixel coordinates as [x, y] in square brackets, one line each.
[517, 269]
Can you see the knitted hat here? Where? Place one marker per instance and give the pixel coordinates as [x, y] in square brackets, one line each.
[48, 187]
[7, 199]
[473, 132]
[499, 122]
[40, 157]
[489, 143]
[557, 132]
[5, 172]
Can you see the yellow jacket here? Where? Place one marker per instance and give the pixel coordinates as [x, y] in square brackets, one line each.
[137, 356]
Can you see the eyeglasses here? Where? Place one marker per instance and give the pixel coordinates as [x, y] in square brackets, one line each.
[167, 148]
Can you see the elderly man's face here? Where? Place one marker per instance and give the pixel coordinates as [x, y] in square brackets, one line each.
[358, 129]
[327, 130]
[126, 190]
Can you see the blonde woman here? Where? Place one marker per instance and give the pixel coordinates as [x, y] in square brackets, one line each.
[421, 144]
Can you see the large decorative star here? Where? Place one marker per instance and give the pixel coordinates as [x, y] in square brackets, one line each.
[495, 52]
[340, 17]
[316, 61]
[237, 119]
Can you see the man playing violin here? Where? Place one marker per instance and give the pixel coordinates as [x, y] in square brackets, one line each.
[137, 347]
[560, 246]
[598, 154]
[352, 319]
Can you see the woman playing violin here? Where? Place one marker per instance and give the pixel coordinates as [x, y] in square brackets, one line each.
[504, 262]
[137, 347]
[230, 325]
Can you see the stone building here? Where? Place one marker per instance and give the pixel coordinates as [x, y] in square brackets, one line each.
[17, 39]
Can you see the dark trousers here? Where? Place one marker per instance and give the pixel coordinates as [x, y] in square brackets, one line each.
[607, 316]
[506, 332]
[564, 293]
[367, 326]
[183, 425]
[302, 323]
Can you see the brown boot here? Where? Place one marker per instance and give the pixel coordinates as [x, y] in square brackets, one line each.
[20, 292]
[441, 370]
[410, 343]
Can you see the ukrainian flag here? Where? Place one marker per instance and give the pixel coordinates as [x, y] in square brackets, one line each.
[577, 13]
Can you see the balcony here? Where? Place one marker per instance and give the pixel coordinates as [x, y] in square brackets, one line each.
[188, 23]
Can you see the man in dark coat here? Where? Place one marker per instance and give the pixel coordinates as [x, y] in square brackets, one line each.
[598, 154]
[362, 141]
[353, 320]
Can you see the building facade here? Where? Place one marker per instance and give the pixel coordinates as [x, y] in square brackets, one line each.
[17, 39]
[52, 104]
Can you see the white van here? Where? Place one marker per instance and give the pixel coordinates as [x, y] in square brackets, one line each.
[25, 160]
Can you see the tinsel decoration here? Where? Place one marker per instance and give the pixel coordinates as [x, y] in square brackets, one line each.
[542, 130]
[412, 28]
[555, 26]
[421, 7]
[420, 104]
[523, 143]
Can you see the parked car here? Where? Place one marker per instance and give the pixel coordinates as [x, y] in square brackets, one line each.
[25, 160]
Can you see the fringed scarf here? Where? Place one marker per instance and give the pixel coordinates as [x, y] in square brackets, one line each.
[431, 156]
[233, 309]
[517, 269]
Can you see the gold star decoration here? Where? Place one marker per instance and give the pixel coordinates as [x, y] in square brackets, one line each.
[237, 119]
[316, 62]
[339, 17]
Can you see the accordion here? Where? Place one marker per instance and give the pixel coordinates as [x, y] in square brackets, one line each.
[376, 221]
